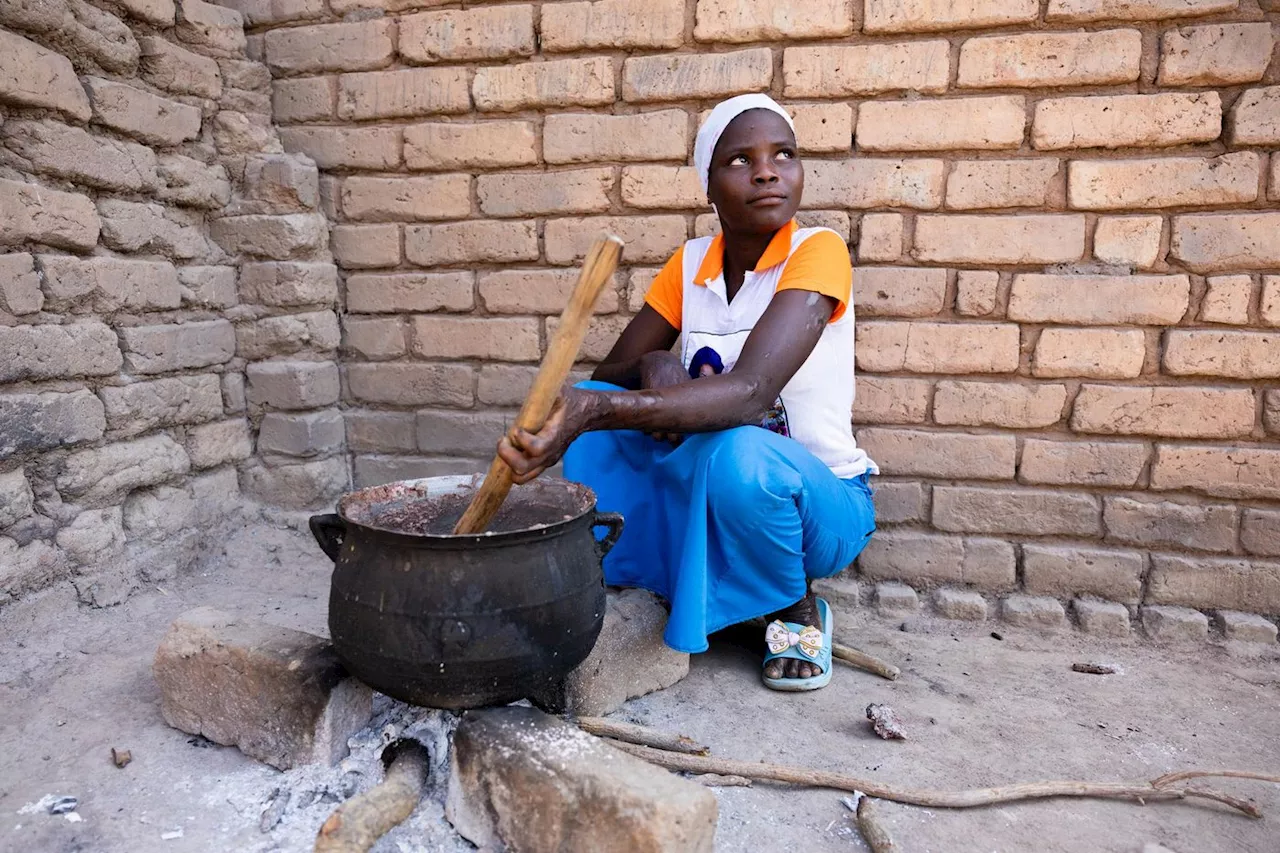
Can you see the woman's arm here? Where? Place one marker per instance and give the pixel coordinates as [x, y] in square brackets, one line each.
[632, 360]
[784, 337]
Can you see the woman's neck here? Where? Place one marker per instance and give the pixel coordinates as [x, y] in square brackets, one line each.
[742, 252]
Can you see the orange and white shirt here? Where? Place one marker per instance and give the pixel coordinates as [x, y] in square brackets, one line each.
[815, 407]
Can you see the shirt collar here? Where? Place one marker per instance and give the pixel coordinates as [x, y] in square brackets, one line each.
[779, 250]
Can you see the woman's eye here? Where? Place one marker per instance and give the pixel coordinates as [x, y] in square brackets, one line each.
[786, 154]
[740, 160]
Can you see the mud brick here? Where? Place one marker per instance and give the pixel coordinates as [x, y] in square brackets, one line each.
[180, 400]
[1226, 472]
[976, 292]
[1085, 463]
[496, 32]
[475, 241]
[413, 384]
[1090, 353]
[1132, 241]
[461, 145]
[149, 118]
[861, 183]
[102, 476]
[302, 435]
[276, 238]
[1051, 59]
[1080, 11]
[37, 422]
[943, 455]
[1025, 611]
[1032, 238]
[173, 347]
[258, 13]
[20, 292]
[1127, 121]
[374, 338]
[511, 764]
[921, 347]
[1215, 583]
[823, 127]
[1101, 618]
[900, 502]
[998, 404]
[1063, 571]
[865, 69]
[578, 138]
[345, 147]
[1028, 512]
[1254, 119]
[1157, 524]
[31, 213]
[1202, 412]
[1226, 300]
[209, 287]
[1215, 55]
[278, 695]
[1156, 300]
[899, 291]
[410, 292]
[56, 149]
[292, 385]
[500, 338]
[896, 599]
[540, 193]
[1175, 624]
[1236, 355]
[1227, 179]
[882, 400]
[1260, 532]
[403, 94]
[305, 99]
[612, 24]
[308, 485]
[648, 239]
[189, 182]
[358, 247]
[977, 184]
[558, 83]
[1226, 241]
[289, 284]
[408, 199]
[33, 76]
[385, 431]
[357, 46]
[681, 77]
[930, 558]
[539, 291]
[937, 125]
[915, 16]
[33, 353]
[178, 70]
[211, 28]
[1245, 627]
[959, 604]
[662, 188]
[313, 331]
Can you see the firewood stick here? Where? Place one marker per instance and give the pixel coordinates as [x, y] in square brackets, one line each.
[862, 660]
[642, 735]
[1170, 778]
[357, 824]
[873, 831]
[1138, 792]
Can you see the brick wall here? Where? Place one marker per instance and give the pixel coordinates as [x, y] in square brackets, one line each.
[1063, 215]
[158, 248]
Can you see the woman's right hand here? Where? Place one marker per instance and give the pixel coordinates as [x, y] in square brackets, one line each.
[529, 454]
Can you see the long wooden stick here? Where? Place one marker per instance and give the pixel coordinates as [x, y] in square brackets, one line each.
[642, 735]
[862, 660]
[1140, 792]
[1182, 776]
[357, 824]
[601, 261]
[872, 829]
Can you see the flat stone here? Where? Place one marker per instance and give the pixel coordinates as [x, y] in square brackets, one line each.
[896, 599]
[1247, 627]
[959, 604]
[1102, 618]
[844, 594]
[629, 659]
[277, 695]
[1175, 624]
[522, 780]
[1027, 611]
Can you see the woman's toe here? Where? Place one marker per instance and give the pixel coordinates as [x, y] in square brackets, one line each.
[773, 669]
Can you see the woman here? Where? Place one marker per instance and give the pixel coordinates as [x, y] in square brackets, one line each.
[727, 520]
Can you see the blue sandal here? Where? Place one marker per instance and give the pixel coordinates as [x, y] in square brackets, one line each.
[804, 643]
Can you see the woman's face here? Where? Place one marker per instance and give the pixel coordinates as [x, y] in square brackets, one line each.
[756, 179]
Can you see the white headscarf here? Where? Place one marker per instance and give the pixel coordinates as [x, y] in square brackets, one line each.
[714, 127]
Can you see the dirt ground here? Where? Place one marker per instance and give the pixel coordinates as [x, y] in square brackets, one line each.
[980, 711]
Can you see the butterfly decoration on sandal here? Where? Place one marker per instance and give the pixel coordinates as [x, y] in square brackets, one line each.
[779, 638]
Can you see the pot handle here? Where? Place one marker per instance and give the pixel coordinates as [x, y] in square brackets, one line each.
[330, 532]
[613, 521]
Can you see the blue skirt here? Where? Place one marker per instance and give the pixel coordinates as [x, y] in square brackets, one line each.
[728, 526]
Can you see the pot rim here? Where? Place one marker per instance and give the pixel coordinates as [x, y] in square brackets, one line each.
[456, 484]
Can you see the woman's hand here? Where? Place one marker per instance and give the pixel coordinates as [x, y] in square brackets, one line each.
[529, 454]
[662, 370]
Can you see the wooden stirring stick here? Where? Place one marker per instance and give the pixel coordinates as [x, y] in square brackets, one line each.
[600, 263]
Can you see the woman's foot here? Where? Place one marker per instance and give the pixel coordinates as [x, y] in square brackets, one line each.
[803, 612]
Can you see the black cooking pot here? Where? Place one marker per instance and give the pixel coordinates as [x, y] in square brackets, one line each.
[464, 621]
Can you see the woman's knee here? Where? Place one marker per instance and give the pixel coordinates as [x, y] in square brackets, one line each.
[745, 473]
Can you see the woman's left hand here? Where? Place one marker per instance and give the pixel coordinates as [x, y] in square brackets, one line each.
[529, 454]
